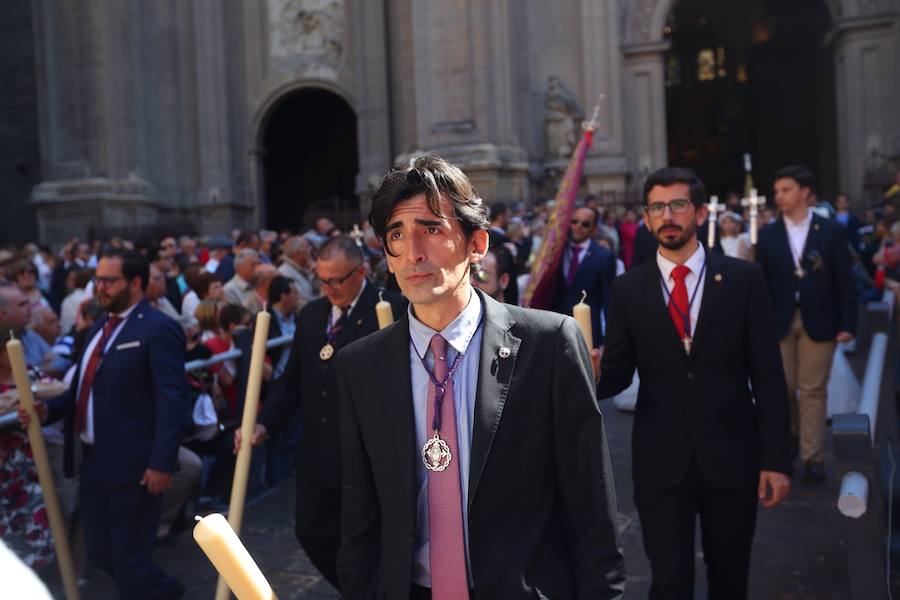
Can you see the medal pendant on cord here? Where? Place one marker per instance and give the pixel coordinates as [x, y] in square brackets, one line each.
[326, 352]
[799, 272]
[436, 454]
[686, 340]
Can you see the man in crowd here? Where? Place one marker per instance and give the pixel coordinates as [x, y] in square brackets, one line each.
[127, 406]
[240, 288]
[346, 313]
[697, 326]
[156, 294]
[511, 495]
[219, 253]
[586, 267]
[296, 267]
[262, 278]
[493, 274]
[15, 313]
[807, 266]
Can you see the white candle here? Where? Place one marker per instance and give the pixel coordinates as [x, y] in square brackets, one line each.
[248, 424]
[582, 314]
[383, 311]
[16, 356]
[230, 558]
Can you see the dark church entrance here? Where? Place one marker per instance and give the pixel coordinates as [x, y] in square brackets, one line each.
[310, 161]
[751, 77]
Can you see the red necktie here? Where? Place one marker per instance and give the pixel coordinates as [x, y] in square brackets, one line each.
[679, 309]
[573, 264]
[84, 391]
[447, 551]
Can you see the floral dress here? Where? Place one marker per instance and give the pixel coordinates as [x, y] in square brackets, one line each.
[24, 525]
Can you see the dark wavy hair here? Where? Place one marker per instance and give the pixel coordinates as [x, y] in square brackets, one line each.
[671, 175]
[433, 176]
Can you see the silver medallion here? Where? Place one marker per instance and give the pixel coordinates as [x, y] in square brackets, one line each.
[687, 343]
[436, 454]
[326, 352]
[800, 273]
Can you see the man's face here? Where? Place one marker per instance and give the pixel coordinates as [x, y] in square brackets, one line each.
[841, 203]
[431, 253]
[113, 291]
[301, 254]
[26, 278]
[47, 325]
[486, 280]
[189, 247]
[671, 230]
[789, 196]
[83, 252]
[247, 268]
[341, 279]
[167, 245]
[290, 300]
[17, 312]
[156, 288]
[583, 225]
[324, 226]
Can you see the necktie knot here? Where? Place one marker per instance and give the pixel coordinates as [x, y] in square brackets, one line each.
[439, 348]
[111, 323]
[680, 272]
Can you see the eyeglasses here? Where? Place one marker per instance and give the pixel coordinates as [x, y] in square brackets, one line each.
[338, 281]
[657, 209]
[107, 280]
[585, 224]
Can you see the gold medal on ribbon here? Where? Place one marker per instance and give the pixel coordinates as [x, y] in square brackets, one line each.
[326, 352]
[436, 454]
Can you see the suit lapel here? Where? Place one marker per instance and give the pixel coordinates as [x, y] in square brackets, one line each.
[712, 291]
[394, 389]
[131, 323]
[362, 311]
[785, 250]
[812, 241]
[494, 375]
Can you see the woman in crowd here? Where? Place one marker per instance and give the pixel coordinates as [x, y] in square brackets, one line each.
[203, 286]
[26, 276]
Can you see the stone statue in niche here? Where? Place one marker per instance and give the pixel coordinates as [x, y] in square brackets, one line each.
[307, 35]
[562, 119]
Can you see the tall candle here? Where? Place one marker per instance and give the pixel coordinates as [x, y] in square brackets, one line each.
[383, 311]
[582, 314]
[16, 356]
[230, 558]
[248, 423]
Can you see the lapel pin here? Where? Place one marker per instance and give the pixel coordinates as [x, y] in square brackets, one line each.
[359, 322]
[504, 352]
[718, 277]
[816, 226]
[140, 315]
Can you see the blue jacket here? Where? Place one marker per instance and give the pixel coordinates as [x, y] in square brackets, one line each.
[827, 301]
[140, 399]
[595, 274]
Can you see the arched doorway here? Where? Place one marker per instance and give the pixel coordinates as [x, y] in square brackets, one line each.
[753, 76]
[310, 160]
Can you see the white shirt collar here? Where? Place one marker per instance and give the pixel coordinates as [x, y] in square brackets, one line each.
[458, 333]
[803, 223]
[580, 245]
[694, 263]
[336, 310]
[124, 314]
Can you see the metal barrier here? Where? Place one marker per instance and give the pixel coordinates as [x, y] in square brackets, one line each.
[243, 342]
[865, 445]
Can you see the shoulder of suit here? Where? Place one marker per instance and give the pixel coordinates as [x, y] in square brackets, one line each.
[635, 273]
[374, 343]
[535, 320]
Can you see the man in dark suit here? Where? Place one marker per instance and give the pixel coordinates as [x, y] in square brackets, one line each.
[128, 406]
[346, 313]
[586, 267]
[807, 264]
[698, 326]
[475, 459]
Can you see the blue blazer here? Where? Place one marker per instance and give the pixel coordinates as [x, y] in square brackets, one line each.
[827, 302]
[595, 274]
[140, 399]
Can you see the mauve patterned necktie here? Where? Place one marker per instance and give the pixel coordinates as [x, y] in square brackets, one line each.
[445, 520]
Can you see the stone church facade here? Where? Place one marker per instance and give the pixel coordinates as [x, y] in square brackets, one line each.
[153, 113]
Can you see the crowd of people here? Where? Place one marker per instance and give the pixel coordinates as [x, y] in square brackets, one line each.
[187, 298]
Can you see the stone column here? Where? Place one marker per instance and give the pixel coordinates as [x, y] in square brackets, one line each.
[606, 165]
[645, 111]
[866, 68]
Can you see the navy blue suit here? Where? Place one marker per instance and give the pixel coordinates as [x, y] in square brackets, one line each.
[595, 274]
[140, 410]
[827, 301]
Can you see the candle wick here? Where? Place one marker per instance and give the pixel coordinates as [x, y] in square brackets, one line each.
[380, 298]
[583, 295]
[198, 518]
[12, 335]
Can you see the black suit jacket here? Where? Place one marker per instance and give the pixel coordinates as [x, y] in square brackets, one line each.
[541, 503]
[595, 274]
[828, 303]
[700, 405]
[309, 381]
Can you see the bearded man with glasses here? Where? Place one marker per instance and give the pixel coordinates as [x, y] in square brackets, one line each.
[711, 431]
[586, 267]
[344, 314]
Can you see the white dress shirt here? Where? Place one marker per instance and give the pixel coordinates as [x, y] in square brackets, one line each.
[87, 436]
[694, 280]
[336, 310]
[797, 234]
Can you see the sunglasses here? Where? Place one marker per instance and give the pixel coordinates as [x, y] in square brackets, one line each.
[585, 224]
